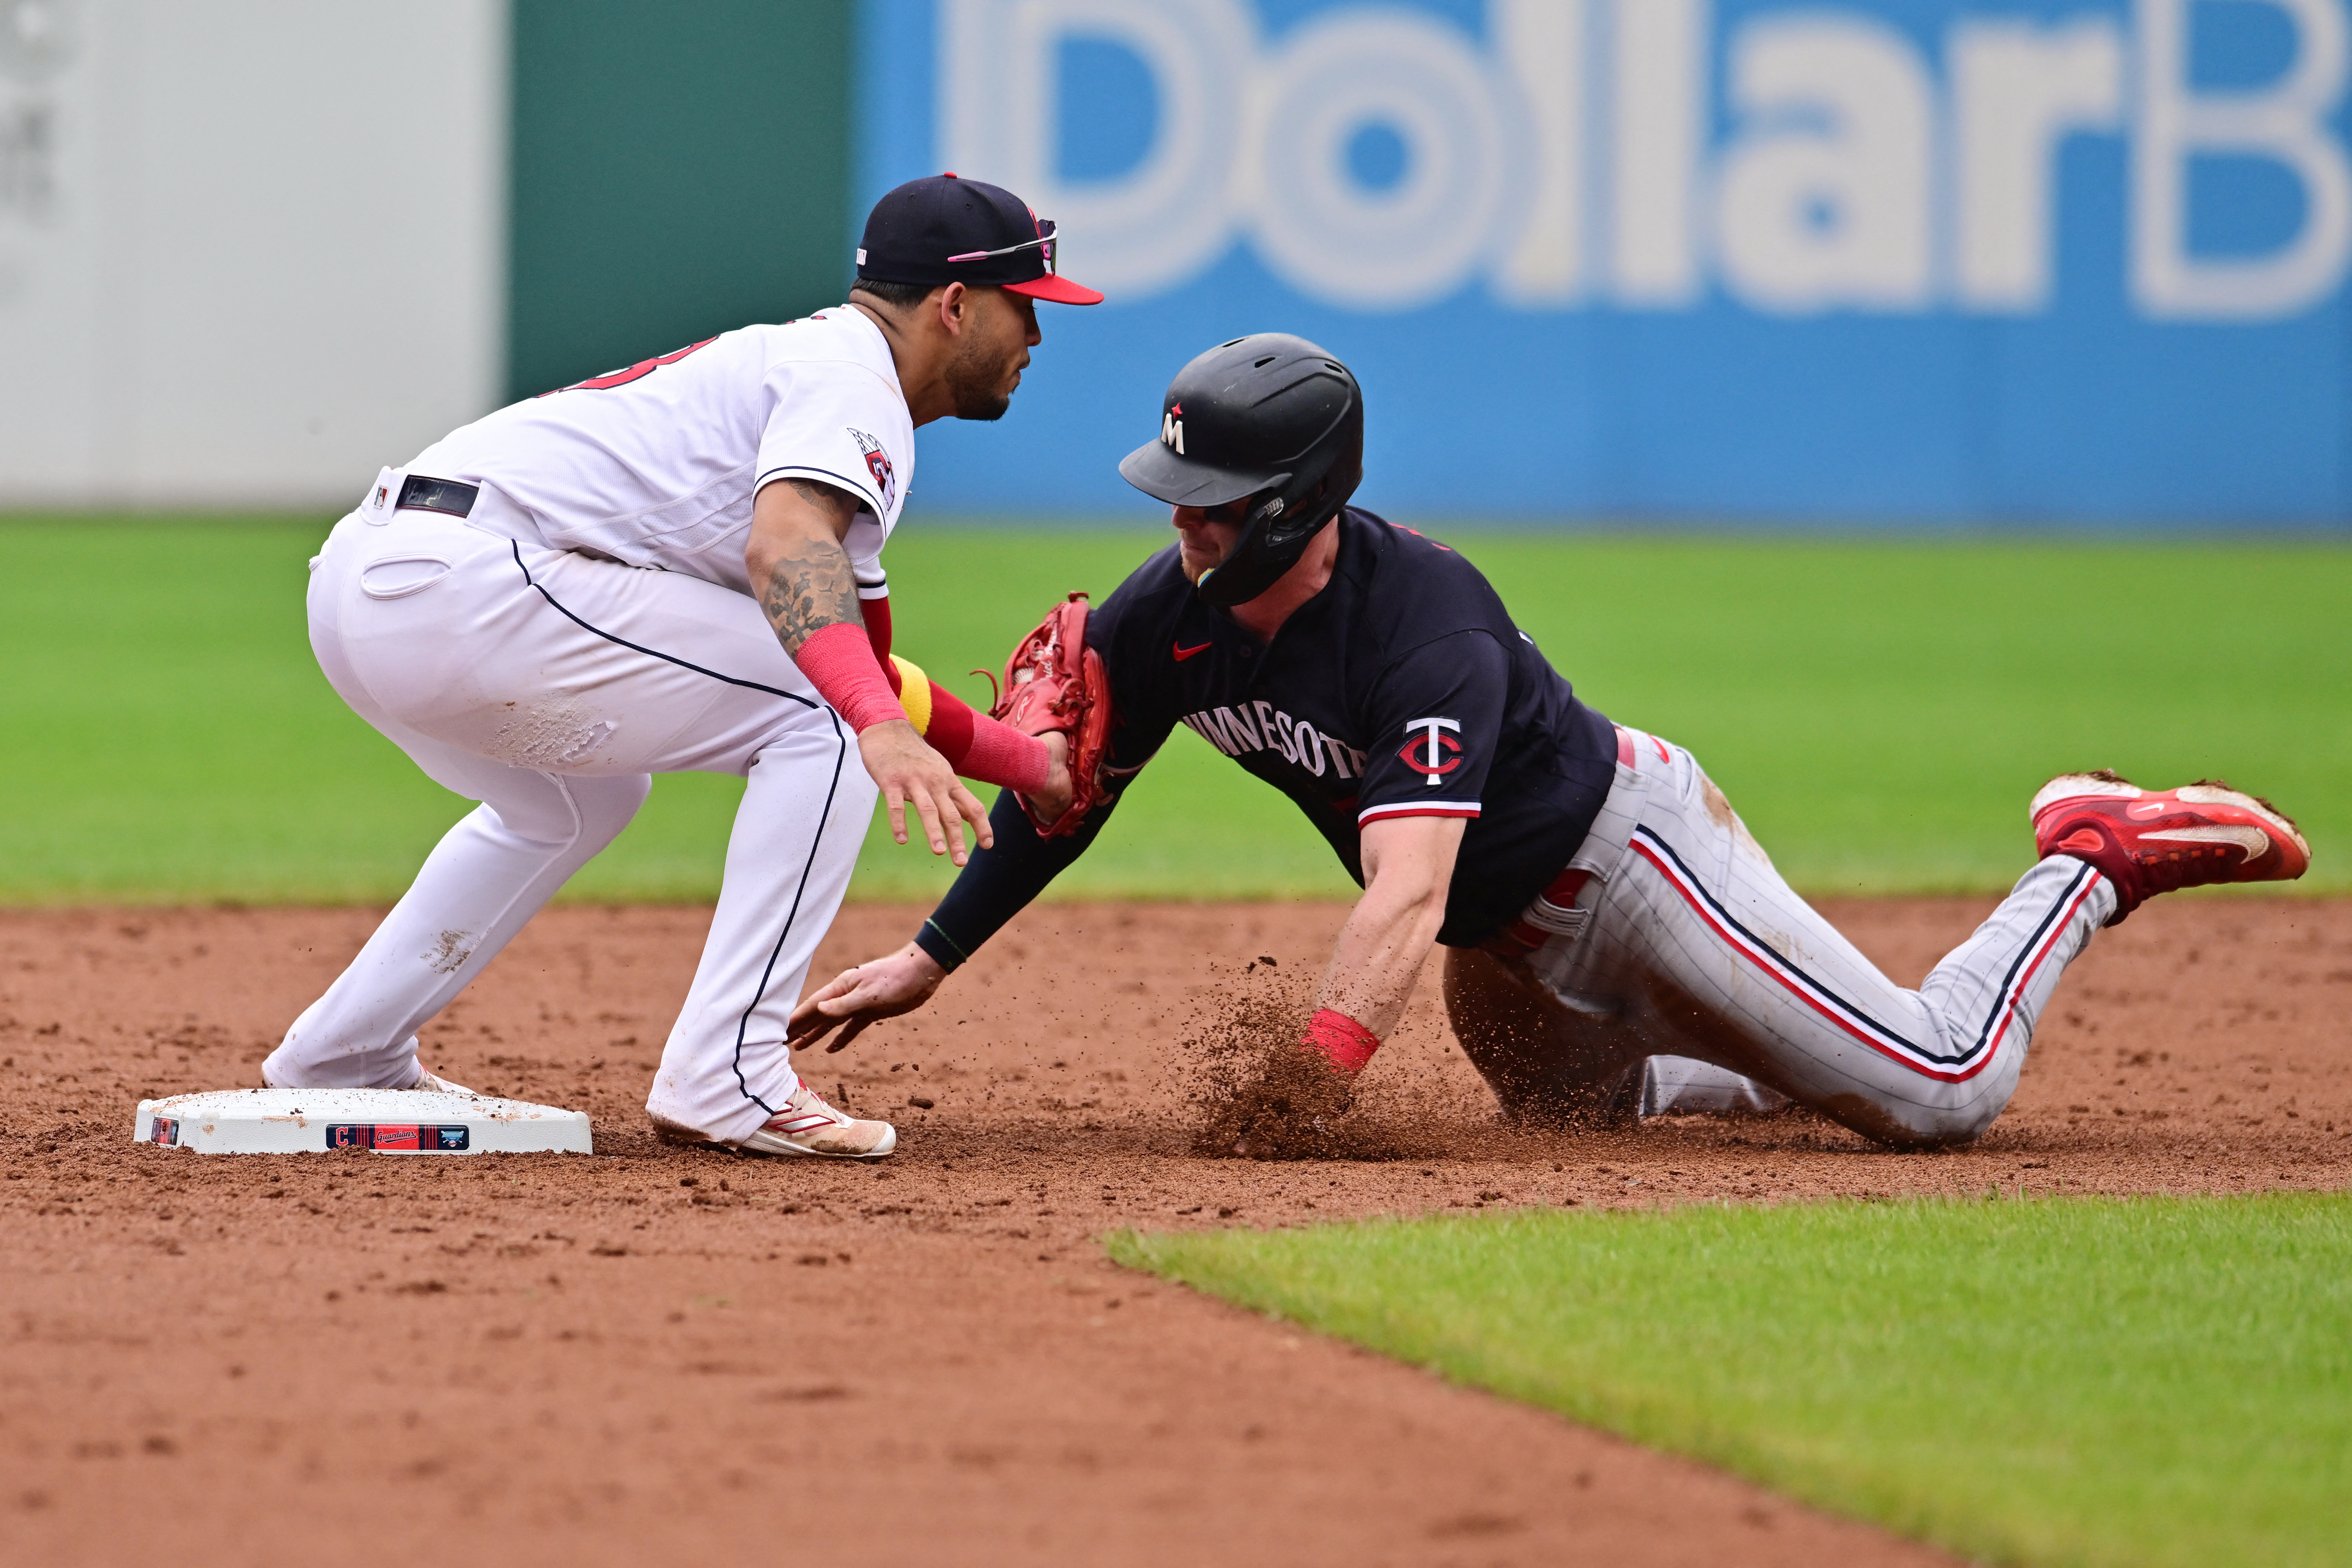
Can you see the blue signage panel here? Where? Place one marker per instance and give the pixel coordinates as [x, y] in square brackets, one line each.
[1876, 259]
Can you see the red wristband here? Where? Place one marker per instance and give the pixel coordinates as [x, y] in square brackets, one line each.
[839, 662]
[1347, 1045]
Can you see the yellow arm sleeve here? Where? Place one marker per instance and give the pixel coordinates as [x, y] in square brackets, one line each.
[914, 693]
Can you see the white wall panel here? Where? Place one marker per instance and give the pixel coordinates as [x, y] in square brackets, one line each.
[268, 253]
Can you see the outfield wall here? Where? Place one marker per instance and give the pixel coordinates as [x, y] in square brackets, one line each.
[678, 170]
[250, 250]
[1870, 260]
[1880, 261]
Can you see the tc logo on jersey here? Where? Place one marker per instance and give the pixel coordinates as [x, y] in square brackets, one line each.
[878, 463]
[1431, 753]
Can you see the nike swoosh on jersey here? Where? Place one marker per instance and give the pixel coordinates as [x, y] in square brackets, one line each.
[1183, 653]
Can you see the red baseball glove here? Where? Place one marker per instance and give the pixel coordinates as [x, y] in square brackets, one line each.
[1054, 684]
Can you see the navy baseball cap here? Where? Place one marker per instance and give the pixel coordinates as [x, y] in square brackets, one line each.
[942, 229]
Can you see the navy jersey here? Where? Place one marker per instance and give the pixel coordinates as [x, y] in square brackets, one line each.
[1402, 690]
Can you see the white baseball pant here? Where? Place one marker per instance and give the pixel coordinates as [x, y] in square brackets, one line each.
[550, 686]
[1690, 977]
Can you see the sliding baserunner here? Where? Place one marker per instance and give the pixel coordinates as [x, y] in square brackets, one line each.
[673, 567]
[1618, 942]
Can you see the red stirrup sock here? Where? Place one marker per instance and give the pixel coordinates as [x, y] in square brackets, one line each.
[1002, 755]
[979, 747]
[1347, 1045]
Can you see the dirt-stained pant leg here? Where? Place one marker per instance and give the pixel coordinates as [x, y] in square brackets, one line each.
[1557, 1060]
[1546, 1060]
[1695, 948]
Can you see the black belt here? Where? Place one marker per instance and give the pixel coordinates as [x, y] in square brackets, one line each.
[418, 493]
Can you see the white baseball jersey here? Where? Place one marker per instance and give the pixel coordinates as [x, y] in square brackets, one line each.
[657, 465]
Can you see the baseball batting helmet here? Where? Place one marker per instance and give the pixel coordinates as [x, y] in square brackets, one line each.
[1269, 415]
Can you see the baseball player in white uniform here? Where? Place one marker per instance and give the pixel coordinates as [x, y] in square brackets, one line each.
[677, 566]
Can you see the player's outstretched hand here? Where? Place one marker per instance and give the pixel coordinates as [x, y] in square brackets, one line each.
[911, 773]
[883, 988]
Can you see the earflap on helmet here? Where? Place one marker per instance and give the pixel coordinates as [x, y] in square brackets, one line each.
[1286, 520]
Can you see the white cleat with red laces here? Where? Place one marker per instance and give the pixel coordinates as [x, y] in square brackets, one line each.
[807, 1125]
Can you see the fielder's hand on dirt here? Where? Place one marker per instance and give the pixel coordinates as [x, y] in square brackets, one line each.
[911, 773]
[865, 995]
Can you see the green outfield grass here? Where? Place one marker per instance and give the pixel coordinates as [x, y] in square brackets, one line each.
[2137, 1382]
[1880, 712]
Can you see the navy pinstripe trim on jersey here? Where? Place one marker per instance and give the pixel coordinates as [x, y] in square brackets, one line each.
[649, 653]
[1945, 1066]
[743, 1023]
[839, 481]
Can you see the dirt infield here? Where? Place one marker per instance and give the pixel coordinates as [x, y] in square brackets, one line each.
[653, 1353]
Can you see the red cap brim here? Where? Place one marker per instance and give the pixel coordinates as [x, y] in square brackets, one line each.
[1059, 290]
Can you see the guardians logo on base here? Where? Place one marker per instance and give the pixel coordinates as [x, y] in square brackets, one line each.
[396, 1138]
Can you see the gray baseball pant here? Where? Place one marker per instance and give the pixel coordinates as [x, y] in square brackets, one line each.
[1687, 976]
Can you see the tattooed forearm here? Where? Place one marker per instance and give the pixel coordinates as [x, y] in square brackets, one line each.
[798, 571]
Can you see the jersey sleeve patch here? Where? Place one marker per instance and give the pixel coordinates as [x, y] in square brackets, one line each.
[1435, 726]
[1433, 751]
[878, 463]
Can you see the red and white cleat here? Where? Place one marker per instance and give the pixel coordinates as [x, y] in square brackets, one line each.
[2155, 841]
[809, 1126]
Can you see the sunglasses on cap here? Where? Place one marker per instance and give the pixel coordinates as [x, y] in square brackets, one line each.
[1044, 242]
